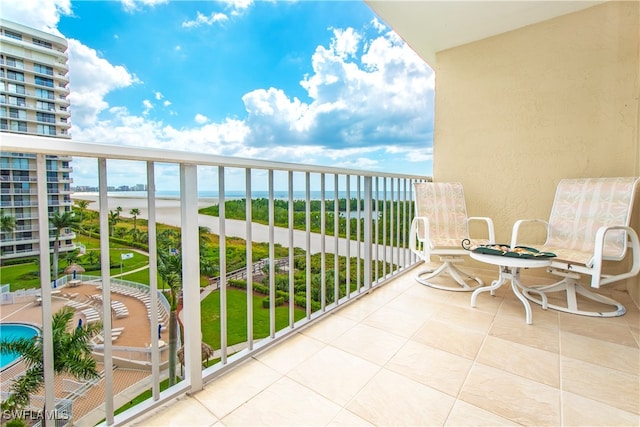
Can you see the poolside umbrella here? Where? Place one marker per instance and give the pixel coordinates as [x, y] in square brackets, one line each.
[73, 269]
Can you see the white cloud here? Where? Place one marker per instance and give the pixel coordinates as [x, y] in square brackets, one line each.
[135, 5]
[87, 92]
[43, 15]
[202, 19]
[201, 119]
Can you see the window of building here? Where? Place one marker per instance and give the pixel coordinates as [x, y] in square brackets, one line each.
[43, 69]
[17, 126]
[52, 176]
[45, 94]
[24, 248]
[18, 163]
[12, 34]
[18, 101]
[14, 62]
[4, 125]
[46, 106]
[22, 176]
[42, 43]
[16, 88]
[45, 117]
[16, 113]
[45, 130]
[43, 81]
[15, 75]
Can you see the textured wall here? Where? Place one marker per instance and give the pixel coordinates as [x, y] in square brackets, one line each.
[517, 112]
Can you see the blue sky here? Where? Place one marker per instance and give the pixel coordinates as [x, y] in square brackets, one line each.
[316, 82]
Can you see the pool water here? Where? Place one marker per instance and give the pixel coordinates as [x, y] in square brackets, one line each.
[12, 331]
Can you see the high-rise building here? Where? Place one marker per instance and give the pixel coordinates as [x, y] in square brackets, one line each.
[33, 100]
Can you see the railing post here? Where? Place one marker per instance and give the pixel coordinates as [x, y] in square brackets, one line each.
[45, 286]
[367, 232]
[191, 275]
[106, 289]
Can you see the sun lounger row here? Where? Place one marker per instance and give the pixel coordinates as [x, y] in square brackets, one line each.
[119, 309]
[115, 334]
[76, 305]
[91, 315]
[145, 298]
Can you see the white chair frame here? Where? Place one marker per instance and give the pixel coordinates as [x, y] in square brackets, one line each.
[421, 244]
[573, 271]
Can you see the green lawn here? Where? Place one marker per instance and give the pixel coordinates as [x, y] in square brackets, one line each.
[237, 317]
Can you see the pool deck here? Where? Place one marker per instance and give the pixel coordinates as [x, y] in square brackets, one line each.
[87, 408]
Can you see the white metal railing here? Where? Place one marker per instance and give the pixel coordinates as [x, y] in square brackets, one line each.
[377, 239]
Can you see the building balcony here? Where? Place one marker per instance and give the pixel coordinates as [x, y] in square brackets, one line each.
[387, 352]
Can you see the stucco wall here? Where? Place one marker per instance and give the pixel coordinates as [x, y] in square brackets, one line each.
[517, 112]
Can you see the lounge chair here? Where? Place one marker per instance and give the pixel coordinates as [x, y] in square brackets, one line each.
[439, 228]
[589, 229]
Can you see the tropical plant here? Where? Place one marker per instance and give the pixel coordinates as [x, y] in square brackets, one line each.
[134, 213]
[60, 221]
[118, 210]
[170, 271]
[7, 223]
[71, 355]
[114, 218]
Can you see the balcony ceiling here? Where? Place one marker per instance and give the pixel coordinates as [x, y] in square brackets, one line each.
[432, 26]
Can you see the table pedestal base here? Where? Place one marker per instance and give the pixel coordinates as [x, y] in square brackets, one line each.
[512, 274]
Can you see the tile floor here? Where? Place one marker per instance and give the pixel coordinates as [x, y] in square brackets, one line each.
[409, 355]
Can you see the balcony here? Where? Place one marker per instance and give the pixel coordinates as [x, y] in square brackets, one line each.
[390, 352]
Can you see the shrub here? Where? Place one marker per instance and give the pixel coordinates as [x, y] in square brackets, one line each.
[278, 301]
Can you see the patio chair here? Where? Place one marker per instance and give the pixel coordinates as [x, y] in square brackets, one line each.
[588, 227]
[438, 229]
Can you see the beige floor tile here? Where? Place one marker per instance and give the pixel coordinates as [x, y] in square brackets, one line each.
[392, 399]
[464, 414]
[359, 310]
[466, 317]
[335, 374]
[580, 411]
[620, 357]
[290, 353]
[369, 343]
[513, 308]
[184, 412]
[435, 368]
[402, 323]
[606, 385]
[453, 339]
[608, 329]
[284, 403]
[420, 304]
[511, 396]
[538, 336]
[236, 387]
[348, 419]
[329, 328]
[538, 365]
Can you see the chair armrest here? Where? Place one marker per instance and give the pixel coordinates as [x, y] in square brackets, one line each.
[516, 228]
[424, 248]
[598, 256]
[489, 222]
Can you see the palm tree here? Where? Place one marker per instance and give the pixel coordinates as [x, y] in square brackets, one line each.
[170, 271]
[134, 213]
[118, 210]
[114, 217]
[60, 221]
[7, 223]
[82, 208]
[71, 354]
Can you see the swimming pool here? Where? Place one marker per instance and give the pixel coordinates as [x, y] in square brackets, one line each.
[12, 331]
